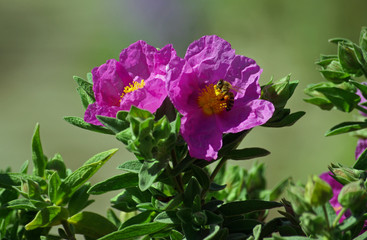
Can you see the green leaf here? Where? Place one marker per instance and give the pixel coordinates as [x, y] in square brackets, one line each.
[278, 189]
[143, 217]
[202, 176]
[247, 153]
[24, 167]
[115, 183]
[361, 163]
[363, 236]
[335, 76]
[86, 86]
[72, 182]
[49, 216]
[192, 190]
[79, 200]
[57, 164]
[111, 216]
[343, 100]
[287, 120]
[348, 59]
[135, 231]
[133, 166]
[247, 206]
[346, 127]
[149, 172]
[38, 158]
[27, 204]
[15, 179]
[84, 97]
[79, 122]
[139, 114]
[92, 224]
[322, 103]
[338, 40]
[175, 235]
[114, 124]
[90, 77]
[168, 217]
[53, 185]
[213, 218]
[361, 87]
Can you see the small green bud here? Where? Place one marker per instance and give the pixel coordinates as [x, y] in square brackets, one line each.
[296, 197]
[353, 196]
[317, 191]
[200, 218]
[279, 92]
[345, 175]
[312, 224]
[348, 59]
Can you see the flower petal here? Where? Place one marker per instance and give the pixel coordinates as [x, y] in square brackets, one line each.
[150, 97]
[203, 142]
[183, 86]
[109, 80]
[94, 109]
[245, 116]
[210, 57]
[138, 60]
[244, 75]
[361, 146]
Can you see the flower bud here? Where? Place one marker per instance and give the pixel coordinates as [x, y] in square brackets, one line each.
[353, 196]
[311, 223]
[346, 175]
[296, 197]
[317, 191]
[348, 59]
[278, 93]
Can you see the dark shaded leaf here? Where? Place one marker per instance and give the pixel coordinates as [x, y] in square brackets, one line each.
[38, 158]
[247, 153]
[91, 224]
[247, 206]
[79, 122]
[115, 183]
[346, 127]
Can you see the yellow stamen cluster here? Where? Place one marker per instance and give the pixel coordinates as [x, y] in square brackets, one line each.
[211, 100]
[132, 87]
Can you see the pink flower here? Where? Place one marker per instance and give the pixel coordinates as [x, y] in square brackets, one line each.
[138, 78]
[336, 186]
[208, 109]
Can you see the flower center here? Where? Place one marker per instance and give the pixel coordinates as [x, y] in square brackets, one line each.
[212, 100]
[132, 87]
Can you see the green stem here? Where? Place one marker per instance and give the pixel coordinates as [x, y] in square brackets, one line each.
[174, 164]
[68, 232]
[217, 168]
[326, 217]
[174, 179]
[339, 216]
[362, 109]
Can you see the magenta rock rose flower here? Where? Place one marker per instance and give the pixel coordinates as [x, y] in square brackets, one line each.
[138, 78]
[217, 92]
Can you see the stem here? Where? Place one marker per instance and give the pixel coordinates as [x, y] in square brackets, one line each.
[68, 232]
[174, 164]
[326, 216]
[217, 168]
[174, 179]
[339, 216]
[362, 109]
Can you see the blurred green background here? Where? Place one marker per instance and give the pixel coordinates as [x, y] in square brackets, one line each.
[44, 43]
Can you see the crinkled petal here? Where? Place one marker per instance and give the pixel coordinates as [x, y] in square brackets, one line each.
[109, 80]
[361, 146]
[336, 187]
[94, 109]
[150, 97]
[183, 86]
[210, 57]
[245, 116]
[202, 136]
[138, 60]
[244, 75]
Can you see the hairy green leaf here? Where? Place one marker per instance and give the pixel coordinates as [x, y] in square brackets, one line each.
[115, 183]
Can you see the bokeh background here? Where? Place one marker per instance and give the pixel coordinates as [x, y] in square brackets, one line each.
[44, 43]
